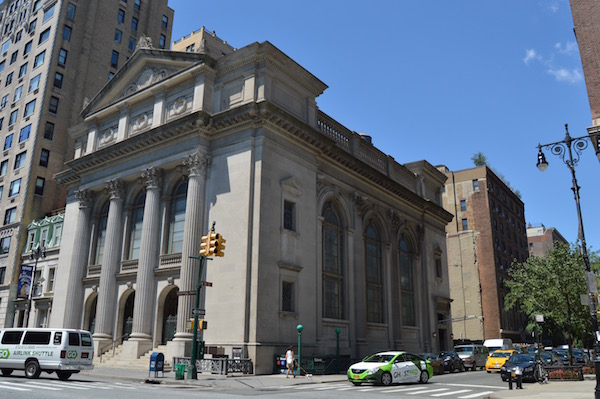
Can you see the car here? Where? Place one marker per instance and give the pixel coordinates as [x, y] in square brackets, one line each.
[452, 361]
[497, 358]
[525, 362]
[436, 362]
[472, 355]
[391, 367]
[551, 359]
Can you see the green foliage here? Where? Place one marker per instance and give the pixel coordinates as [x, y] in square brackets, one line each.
[479, 159]
[551, 286]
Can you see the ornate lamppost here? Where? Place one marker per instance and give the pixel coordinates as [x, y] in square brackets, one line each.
[569, 149]
[36, 254]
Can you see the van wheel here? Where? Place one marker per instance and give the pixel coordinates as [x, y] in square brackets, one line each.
[474, 366]
[63, 375]
[7, 372]
[32, 369]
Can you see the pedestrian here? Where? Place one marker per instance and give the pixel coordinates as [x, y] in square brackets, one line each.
[289, 361]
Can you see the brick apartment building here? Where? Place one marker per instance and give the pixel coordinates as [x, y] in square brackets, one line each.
[541, 239]
[487, 234]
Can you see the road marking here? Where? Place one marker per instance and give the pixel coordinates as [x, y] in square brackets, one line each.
[476, 395]
[427, 391]
[420, 389]
[88, 385]
[452, 393]
[42, 385]
[471, 386]
[67, 385]
[8, 385]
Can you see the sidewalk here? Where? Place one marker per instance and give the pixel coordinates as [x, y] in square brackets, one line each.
[552, 390]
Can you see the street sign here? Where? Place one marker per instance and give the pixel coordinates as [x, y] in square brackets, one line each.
[206, 283]
[198, 312]
[183, 293]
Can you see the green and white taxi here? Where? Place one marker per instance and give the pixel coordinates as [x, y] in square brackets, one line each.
[391, 367]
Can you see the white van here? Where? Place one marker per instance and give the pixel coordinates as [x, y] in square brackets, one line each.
[60, 350]
[500, 343]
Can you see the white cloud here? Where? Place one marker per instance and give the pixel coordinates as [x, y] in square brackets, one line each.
[569, 48]
[565, 75]
[530, 54]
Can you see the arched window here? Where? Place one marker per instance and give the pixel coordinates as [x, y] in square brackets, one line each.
[178, 203]
[373, 275]
[407, 285]
[333, 268]
[101, 234]
[135, 234]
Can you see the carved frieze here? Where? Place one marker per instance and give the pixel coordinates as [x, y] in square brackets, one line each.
[148, 77]
[108, 136]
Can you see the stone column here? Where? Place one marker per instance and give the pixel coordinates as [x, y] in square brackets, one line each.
[140, 340]
[79, 260]
[193, 230]
[105, 313]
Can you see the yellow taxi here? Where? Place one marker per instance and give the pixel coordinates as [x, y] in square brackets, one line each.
[497, 358]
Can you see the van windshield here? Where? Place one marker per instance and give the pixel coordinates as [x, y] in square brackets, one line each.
[464, 349]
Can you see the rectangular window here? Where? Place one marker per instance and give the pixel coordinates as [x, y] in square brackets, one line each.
[18, 93]
[71, 8]
[121, 16]
[58, 80]
[22, 70]
[131, 43]
[2, 269]
[2, 66]
[29, 109]
[51, 274]
[287, 296]
[476, 185]
[438, 267]
[53, 108]
[1, 122]
[5, 46]
[20, 160]
[134, 24]
[163, 41]
[10, 216]
[48, 14]
[36, 338]
[37, 5]
[114, 59]
[1, 191]
[13, 57]
[62, 57]
[165, 21]
[4, 101]
[289, 215]
[137, 4]
[3, 167]
[44, 156]
[67, 33]
[39, 59]
[12, 119]
[463, 205]
[18, 36]
[8, 79]
[12, 337]
[49, 131]
[44, 36]
[39, 185]
[27, 48]
[34, 83]
[8, 142]
[465, 225]
[118, 35]
[15, 188]
[32, 25]
[24, 134]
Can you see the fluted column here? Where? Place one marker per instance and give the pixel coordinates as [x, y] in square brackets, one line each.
[79, 258]
[144, 293]
[194, 228]
[105, 313]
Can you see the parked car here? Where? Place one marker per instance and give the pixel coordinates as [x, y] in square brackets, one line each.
[524, 361]
[551, 359]
[436, 362]
[497, 358]
[472, 355]
[385, 368]
[452, 361]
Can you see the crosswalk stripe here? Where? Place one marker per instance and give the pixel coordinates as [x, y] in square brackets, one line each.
[420, 389]
[427, 391]
[476, 395]
[64, 385]
[90, 385]
[8, 385]
[41, 385]
[452, 393]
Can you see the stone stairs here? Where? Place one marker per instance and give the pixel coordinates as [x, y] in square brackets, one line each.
[108, 360]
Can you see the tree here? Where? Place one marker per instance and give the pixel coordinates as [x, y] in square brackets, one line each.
[479, 159]
[552, 286]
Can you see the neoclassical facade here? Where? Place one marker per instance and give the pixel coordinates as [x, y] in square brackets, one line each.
[322, 228]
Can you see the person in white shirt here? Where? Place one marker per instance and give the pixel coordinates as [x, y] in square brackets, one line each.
[289, 361]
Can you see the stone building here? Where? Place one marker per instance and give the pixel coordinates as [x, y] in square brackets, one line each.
[487, 234]
[322, 228]
[54, 55]
[541, 239]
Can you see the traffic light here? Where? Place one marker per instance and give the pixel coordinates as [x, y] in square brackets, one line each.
[213, 243]
[204, 246]
[220, 248]
[202, 324]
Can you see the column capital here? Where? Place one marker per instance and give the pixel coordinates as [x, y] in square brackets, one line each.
[152, 177]
[197, 164]
[85, 198]
[115, 188]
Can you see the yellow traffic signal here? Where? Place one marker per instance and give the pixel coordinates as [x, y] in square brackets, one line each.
[204, 246]
[213, 243]
[202, 324]
[220, 248]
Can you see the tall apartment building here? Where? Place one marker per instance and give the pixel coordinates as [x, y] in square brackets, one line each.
[542, 239]
[54, 56]
[488, 232]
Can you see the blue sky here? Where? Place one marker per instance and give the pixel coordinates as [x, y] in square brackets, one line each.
[439, 80]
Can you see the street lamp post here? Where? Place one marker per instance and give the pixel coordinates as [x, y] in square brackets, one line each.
[569, 149]
[39, 252]
[299, 328]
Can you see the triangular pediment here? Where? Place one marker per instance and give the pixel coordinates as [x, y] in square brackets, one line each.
[146, 70]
